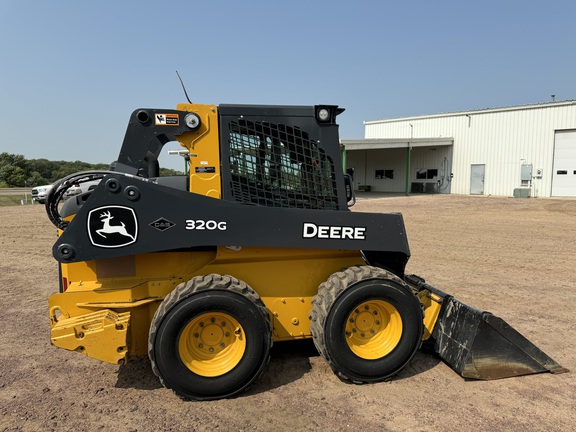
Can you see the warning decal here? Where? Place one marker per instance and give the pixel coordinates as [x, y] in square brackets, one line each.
[205, 170]
[167, 119]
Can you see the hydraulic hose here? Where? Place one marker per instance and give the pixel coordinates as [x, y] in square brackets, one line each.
[60, 188]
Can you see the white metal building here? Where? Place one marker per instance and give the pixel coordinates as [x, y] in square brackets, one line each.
[525, 150]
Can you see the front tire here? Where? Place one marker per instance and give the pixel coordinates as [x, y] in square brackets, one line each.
[210, 338]
[366, 323]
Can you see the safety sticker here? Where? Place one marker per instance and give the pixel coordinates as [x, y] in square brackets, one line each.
[205, 170]
[167, 119]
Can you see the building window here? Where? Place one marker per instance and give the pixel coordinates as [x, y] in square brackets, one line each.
[426, 174]
[384, 174]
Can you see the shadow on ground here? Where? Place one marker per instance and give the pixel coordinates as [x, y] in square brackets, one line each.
[137, 374]
[289, 362]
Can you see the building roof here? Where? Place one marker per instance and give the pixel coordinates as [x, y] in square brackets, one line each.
[479, 111]
[389, 143]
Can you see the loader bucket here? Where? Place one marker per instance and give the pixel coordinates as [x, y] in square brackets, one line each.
[479, 345]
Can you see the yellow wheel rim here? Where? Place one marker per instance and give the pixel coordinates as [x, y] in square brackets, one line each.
[373, 329]
[212, 344]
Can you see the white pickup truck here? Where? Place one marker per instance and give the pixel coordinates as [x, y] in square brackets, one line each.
[39, 193]
[80, 188]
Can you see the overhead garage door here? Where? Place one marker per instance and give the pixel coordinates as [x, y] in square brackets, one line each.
[564, 174]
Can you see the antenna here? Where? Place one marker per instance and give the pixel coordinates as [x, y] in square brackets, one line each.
[183, 88]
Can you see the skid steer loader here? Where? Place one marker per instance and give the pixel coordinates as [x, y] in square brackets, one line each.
[254, 245]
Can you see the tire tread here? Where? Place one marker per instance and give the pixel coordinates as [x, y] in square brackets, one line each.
[195, 285]
[327, 294]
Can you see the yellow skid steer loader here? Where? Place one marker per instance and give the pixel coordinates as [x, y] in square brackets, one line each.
[254, 245]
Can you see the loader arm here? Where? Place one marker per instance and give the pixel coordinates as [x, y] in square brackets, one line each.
[146, 209]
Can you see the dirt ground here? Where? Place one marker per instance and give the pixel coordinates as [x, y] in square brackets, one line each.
[513, 257]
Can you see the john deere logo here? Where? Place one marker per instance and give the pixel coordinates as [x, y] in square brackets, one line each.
[112, 226]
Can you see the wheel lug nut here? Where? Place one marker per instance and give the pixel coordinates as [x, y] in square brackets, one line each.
[366, 307]
[201, 324]
[211, 349]
[200, 345]
[212, 320]
[362, 334]
[222, 345]
[377, 322]
[196, 335]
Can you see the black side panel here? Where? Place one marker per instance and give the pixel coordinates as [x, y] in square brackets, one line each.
[388, 260]
[127, 215]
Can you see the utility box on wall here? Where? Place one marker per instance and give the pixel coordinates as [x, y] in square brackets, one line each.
[525, 175]
[526, 172]
[522, 193]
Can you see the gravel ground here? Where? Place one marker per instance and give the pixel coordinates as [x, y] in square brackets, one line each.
[513, 257]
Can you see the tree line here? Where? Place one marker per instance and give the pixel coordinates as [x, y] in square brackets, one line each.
[17, 171]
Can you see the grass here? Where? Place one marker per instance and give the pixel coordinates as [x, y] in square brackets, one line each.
[10, 200]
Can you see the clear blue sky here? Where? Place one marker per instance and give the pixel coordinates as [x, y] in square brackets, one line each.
[71, 72]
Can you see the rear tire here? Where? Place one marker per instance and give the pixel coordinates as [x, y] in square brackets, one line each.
[366, 323]
[210, 338]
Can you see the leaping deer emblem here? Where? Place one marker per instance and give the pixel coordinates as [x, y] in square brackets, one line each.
[112, 229]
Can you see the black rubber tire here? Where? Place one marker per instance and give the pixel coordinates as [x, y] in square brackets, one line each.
[338, 297]
[201, 295]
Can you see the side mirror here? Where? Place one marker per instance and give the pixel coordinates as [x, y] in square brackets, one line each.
[350, 197]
